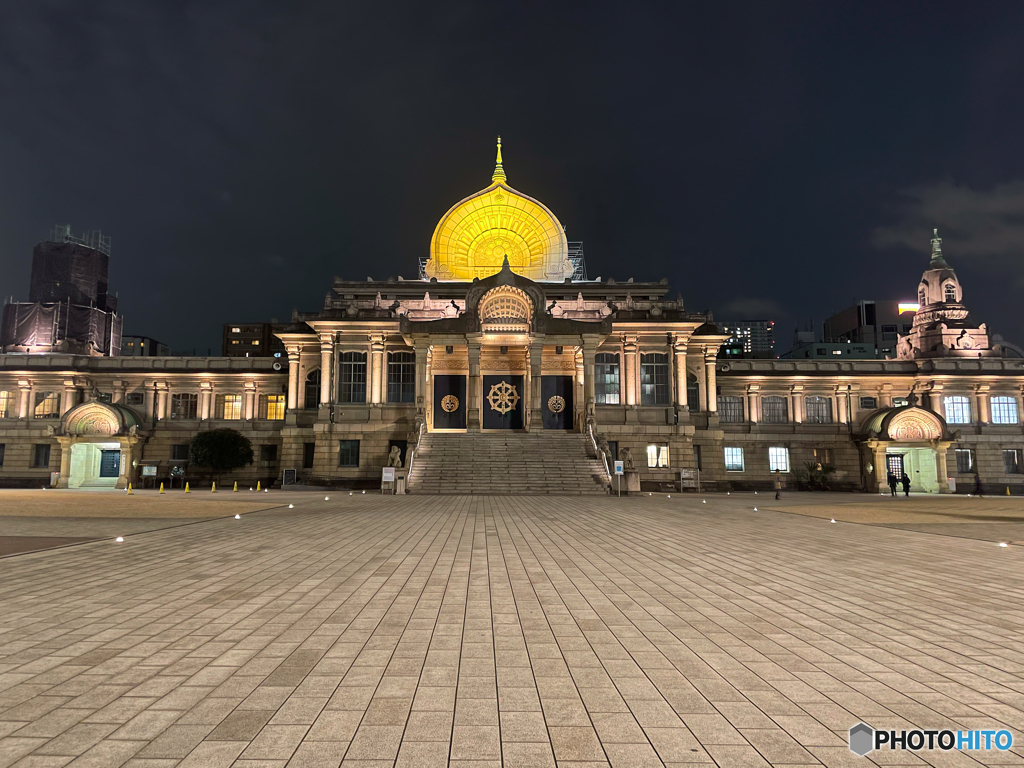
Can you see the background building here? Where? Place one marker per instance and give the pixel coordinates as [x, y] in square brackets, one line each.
[143, 346]
[878, 323]
[69, 307]
[748, 338]
[250, 340]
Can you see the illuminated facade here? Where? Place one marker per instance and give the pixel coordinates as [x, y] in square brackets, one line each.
[498, 343]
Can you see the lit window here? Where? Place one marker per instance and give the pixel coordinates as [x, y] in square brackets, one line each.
[1004, 410]
[235, 341]
[778, 459]
[401, 377]
[236, 330]
[1011, 461]
[272, 407]
[606, 379]
[958, 409]
[964, 461]
[818, 410]
[822, 456]
[733, 459]
[654, 379]
[730, 409]
[950, 292]
[7, 401]
[47, 405]
[774, 410]
[900, 402]
[657, 455]
[255, 342]
[228, 407]
[837, 351]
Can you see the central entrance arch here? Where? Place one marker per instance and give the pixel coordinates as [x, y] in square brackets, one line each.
[98, 441]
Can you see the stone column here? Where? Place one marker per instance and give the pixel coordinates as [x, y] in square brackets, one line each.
[796, 405]
[629, 352]
[842, 398]
[420, 350]
[941, 449]
[589, 354]
[377, 370]
[120, 389]
[474, 396]
[161, 402]
[326, 368]
[679, 349]
[249, 401]
[65, 461]
[752, 412]
[26, 399]
[711, 383]
[68, 401]
[206, 401]
[536, 371]
[293, 377]
[984, 412]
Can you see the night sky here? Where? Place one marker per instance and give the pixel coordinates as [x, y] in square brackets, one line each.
[772, 160]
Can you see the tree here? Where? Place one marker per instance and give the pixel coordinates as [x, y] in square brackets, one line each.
[222, 450]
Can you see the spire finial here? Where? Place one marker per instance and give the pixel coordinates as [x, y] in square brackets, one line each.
[937, 248]
[499, 172]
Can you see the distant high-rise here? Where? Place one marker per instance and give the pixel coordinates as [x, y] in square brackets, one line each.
[69, 307]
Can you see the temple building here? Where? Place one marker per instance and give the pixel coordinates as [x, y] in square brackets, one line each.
[500, 368]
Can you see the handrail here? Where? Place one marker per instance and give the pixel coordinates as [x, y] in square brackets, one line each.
[412, 452]
[599, 452]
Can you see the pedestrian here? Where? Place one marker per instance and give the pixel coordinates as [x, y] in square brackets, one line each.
[778, 484]
[905, 480]
[978, 491]
[893, 482]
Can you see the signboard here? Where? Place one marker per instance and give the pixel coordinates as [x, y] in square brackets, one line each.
[389, 475]
[620, 468]
[688, 478]
[290, 476]
[149, 471]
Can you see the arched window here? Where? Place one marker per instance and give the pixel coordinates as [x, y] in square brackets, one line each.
[950, 292]
[922, 297]
[312, 397]
[774, 410]
[692, 392]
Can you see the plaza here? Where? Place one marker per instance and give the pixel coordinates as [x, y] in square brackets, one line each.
[368, 630]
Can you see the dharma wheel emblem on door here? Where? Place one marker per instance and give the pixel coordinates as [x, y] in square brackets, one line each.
[449, 403]
[556, 404]
[503, 397]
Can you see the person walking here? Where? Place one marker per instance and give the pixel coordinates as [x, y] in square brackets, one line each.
[893, 482]
[905, 480]
[978, 490]
[778, 484]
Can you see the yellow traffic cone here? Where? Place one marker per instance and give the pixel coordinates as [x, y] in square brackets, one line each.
[214, 488]
[1007, 490]
[130, 489]
[161, 487]
[186, 488]
[257, 485]
[235, 489]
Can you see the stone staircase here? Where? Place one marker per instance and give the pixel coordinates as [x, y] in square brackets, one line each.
[507, 463]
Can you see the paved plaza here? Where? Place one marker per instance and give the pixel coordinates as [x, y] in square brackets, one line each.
[519, 631]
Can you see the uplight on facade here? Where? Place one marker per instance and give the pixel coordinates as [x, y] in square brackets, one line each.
[906, 306]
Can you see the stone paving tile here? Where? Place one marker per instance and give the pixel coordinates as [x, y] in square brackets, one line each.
[493, 631]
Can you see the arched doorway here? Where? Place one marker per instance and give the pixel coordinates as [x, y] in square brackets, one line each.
[909, 440]
[98, 442]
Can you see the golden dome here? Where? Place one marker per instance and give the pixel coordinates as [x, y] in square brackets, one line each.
[477, 234]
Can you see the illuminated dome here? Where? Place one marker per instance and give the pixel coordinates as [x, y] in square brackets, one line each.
[479, 233]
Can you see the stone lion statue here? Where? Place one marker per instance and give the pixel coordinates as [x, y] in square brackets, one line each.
[395, 457]
[626, 457]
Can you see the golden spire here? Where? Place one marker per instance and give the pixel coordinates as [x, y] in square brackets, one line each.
[499, 172]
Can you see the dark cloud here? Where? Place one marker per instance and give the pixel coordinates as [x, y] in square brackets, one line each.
[241, 154]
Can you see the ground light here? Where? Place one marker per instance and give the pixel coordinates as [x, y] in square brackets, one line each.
[238, 517]
[119, 538]
[1003, 544]
[327, 498]
[755, 509]
[291, 506]
[832, 520]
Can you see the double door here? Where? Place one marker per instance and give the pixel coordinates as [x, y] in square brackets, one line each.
[556, 403]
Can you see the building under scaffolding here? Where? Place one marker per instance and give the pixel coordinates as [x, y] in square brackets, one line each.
[70, 308]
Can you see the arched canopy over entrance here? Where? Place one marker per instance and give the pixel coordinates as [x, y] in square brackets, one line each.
[97, 442]
[909, 441]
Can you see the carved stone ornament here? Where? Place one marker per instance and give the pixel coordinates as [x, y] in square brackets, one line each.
[556, 404]
[503, 397]
[449, 403]
[914, 425]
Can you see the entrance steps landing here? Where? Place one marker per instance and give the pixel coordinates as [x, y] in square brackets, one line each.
[507, 463]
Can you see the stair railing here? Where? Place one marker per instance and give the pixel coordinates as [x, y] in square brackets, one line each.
[599, 452]
[412, 451]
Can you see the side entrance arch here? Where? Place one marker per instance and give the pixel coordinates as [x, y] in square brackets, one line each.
[99, 445]
[909, 440]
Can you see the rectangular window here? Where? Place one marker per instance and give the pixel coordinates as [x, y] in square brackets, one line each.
[272, 407]
[958, 409]
[730, 409]
[822, 456]
[964, 461]
[888, 329]
[47, 405]
[308, 452]
[8, 405]
[402, 377]
[179, 452]
[135, 398]
[900, 402]
[654, 379]
[733, 459]
[697, 462]
[348, 453]
[657, 456]
[2, 452]
[868, 403]
[352, 378]
[185, 405]
[778, 459]
[41, 456]
[606, 379]
[1004, 410]
[818, 410]
[1011, 461]
[774, 410]
[268, 456]
[227, 407]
